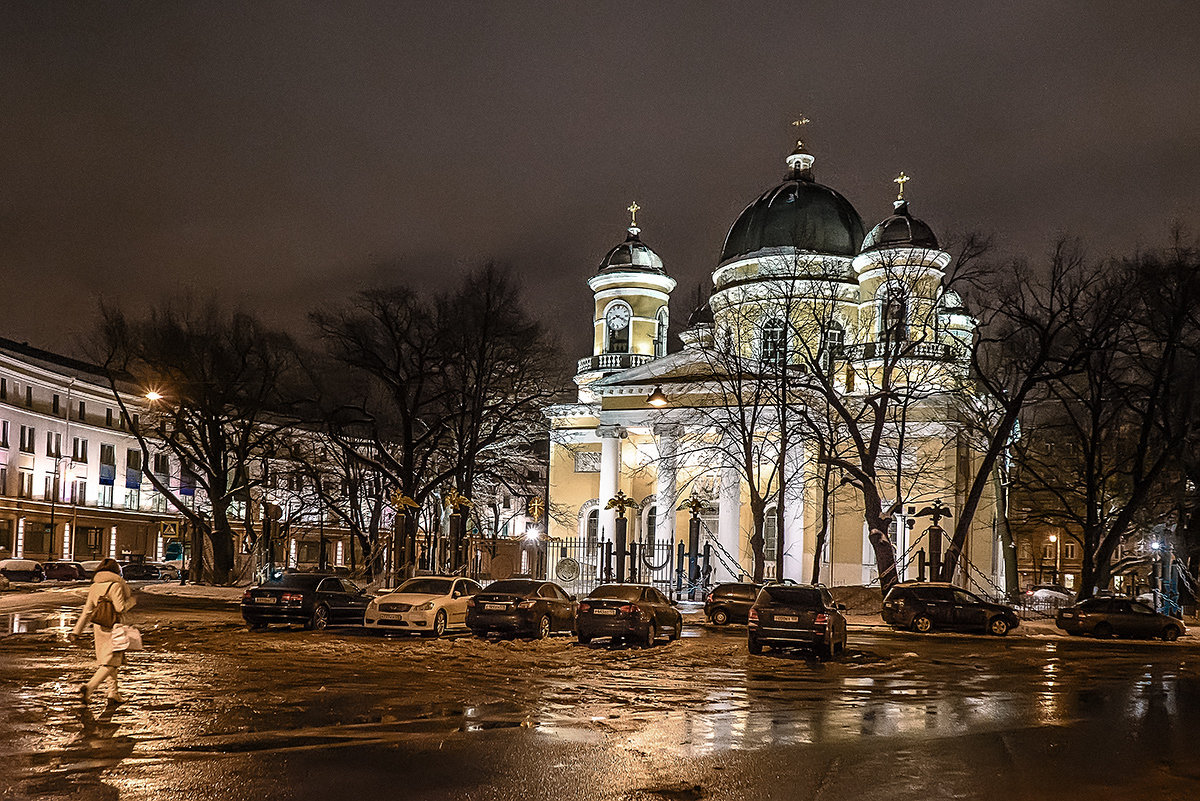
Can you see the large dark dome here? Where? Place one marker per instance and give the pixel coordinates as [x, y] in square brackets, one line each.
[800, 214]
[632, 255]
[901, 230]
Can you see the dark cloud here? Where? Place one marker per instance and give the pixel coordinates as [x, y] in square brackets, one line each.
[288, 154]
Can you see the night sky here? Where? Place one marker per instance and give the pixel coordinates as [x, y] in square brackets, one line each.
[288, 154]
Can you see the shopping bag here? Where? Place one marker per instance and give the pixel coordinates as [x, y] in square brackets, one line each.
[126, 638]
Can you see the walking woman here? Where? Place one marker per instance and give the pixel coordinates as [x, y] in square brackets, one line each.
[108, 588]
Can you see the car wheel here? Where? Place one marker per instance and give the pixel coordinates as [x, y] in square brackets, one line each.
[677, 632]
[1170, 634]
[998, 626]
[922, 624]
[584, 639]
[720, 617]
[543, 627]
[824, 651]
[651, 635]
[753, 645]
[319, 619]
[1102, 631]
[439, 623]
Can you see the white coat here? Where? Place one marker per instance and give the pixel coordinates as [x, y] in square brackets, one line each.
[112, 585]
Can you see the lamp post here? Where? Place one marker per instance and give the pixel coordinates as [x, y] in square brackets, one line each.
[1057, 557]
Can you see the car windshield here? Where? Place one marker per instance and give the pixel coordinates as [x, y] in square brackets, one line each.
[426, 586]
[512, 587]
[620, 592]
[299, 580]
[809, 597]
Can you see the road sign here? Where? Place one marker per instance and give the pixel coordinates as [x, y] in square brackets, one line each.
[169, 528]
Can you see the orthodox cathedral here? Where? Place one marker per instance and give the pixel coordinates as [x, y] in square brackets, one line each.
[797, 274]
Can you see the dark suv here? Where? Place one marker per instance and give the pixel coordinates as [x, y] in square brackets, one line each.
[730, 603]
[797, 616]
[925, 605]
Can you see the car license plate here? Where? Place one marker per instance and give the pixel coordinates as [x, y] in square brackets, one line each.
[267, 600]
[606, 611]
[494, 607]
[786, 619]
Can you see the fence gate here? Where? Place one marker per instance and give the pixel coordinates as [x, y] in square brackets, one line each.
[579, 564]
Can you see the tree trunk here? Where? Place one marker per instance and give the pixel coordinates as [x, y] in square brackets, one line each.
[221, 537]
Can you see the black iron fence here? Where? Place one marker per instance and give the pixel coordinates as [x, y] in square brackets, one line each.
[580, 564]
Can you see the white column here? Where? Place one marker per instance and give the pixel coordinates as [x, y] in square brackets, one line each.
[610, 473]
[664, 491]
[794, 560]
[729, 515]
[19, 550]
[66, 543]
[112, 543]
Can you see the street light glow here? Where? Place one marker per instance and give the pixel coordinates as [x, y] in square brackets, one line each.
[153, 396]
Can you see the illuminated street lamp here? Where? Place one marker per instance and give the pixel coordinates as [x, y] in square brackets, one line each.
[1057, 558]
[657, 399]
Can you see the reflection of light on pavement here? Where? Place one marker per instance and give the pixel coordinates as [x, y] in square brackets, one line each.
[1049, 696]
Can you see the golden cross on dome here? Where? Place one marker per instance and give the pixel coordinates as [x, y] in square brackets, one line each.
[901, 179]
[633, 210]
[799, 124]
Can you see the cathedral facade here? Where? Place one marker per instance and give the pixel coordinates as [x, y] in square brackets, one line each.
[761, 425]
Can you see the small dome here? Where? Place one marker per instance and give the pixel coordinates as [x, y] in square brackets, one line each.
[632, 254]
[798, 213]
[901, 230]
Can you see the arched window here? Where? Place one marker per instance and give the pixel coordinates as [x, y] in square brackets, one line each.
[651, 525]
[592, 529]
[832, 340]
[893, 314]
[771, 536]
[660, 334]
[616, 327]
[773, 342]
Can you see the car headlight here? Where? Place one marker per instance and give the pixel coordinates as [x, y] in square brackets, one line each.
[425, 607]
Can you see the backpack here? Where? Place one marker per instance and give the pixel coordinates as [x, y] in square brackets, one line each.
[104, 613]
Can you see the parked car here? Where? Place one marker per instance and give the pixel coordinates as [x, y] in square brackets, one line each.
[64, 571]
[797, 616]
[426, 604]
[730, 603]
[1047, 596]
[521, 606]
[631, 612]
[315, 600]
[140, 571]
[167, 572]
[22, 570]
[1106, 616]
[927, 605]
[90, 566]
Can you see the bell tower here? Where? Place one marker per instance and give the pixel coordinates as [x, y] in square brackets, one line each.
[631, 291]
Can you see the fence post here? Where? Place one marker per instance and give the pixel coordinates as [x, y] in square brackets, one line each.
[679, 572]
[706, 570]
[607, 550]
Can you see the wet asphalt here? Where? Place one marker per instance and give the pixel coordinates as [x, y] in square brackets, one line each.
[216, 711]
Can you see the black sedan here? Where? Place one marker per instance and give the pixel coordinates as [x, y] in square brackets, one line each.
[1107, 616]
[64, 571]
[314, 600]
[521, 606]
[633, 612]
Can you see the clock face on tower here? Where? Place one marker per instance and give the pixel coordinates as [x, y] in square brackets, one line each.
[617, 316]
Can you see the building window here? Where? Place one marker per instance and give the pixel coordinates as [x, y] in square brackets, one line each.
[162, 465]
[3, 389]
[79, 491]
[587, 462]
[593, 530]
[105, 499]
[108, 455]
[25, 484]
[79, 449]
[3, 479]
[3, 433]
[53, 444]
[616, 323]
[82, 416]
[660, 334]
[832, 341]
[133, 459]
[1048, 552]
[893, 314]
[29, 396]
[55, 404]
[108, 417]
[133, 499]
[27, 434]
[1068, 550]
[51, 487]
[771, 537]
[158, 502]
[772, 343]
